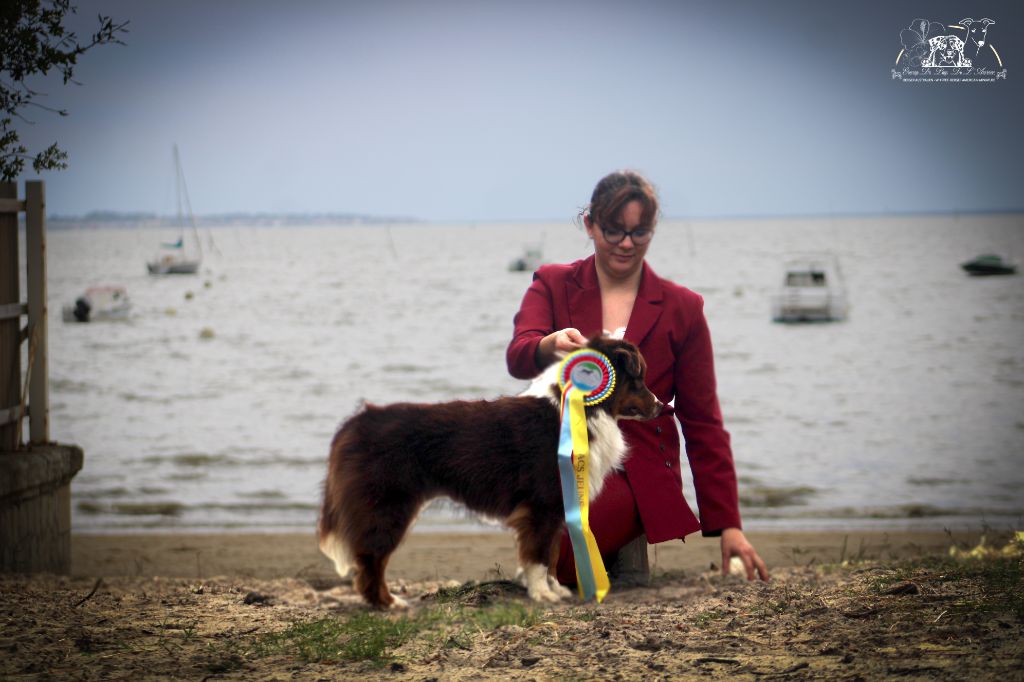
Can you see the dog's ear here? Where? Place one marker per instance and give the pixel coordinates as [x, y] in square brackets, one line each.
[629, 359]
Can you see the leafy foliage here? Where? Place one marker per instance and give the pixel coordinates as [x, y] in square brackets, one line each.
[34, 42]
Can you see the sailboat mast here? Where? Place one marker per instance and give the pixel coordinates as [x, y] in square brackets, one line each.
[183, 194]
[177, 186]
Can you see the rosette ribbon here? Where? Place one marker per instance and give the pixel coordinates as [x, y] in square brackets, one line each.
[586, 378]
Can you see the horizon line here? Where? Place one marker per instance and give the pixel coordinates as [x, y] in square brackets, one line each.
[105, 216]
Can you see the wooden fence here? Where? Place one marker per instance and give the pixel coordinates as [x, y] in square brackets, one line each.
[23, 395]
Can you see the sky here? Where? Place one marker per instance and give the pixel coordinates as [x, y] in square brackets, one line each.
[453, 110]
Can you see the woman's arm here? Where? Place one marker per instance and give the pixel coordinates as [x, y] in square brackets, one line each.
[707, 442]
[533, 322]
[535, 341]
[708, 448]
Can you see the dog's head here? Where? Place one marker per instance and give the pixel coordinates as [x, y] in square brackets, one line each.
[631, 398]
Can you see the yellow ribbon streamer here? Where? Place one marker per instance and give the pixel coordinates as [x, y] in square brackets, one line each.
[581, 456]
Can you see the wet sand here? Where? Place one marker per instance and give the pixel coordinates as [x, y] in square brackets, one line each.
[455, 556]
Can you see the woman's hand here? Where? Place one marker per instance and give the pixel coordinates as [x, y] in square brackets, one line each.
[735, 543]
[557, 344]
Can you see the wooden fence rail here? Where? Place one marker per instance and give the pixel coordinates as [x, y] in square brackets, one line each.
[28, 394]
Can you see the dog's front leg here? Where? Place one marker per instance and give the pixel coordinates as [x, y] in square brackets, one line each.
[536, 532]
[553, 584]
[537, 584]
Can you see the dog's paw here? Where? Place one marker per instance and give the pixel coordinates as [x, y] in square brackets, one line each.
[544, 595]
[398, 604]
[558, 588]
[537, 584]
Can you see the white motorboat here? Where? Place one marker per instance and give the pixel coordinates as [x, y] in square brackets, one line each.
[812, 290]
[98, 304]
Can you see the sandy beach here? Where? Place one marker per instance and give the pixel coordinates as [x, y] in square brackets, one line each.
[453, 556]
[857, 605]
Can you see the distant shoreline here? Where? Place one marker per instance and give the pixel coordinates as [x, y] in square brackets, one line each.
[144, 220]
[152, 221]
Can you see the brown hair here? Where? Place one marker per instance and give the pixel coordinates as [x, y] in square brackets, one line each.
[617, 189]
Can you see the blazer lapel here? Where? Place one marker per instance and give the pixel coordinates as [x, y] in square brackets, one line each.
[646, 308]
[584, 295]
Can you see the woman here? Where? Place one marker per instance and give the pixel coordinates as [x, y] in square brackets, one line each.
[616, 292]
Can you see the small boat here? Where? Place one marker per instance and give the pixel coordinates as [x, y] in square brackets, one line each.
[989, 264]
[173, 261]
[98, 304]
[529, 261]
[812, 290]
[175, 258]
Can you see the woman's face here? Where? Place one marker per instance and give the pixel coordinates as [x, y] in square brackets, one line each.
[625, 258]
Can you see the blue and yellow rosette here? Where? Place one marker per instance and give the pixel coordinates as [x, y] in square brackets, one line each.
[586, 378]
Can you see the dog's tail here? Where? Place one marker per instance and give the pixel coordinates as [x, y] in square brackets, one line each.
[337, 551]
[335, 515]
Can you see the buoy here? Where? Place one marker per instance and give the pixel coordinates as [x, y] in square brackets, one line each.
[206, 333]
[189, 295]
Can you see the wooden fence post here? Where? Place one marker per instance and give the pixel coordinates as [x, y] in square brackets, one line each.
[35, 482]
[10, 319]
[35, 267]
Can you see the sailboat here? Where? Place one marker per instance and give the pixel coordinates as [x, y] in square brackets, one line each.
[174, 258]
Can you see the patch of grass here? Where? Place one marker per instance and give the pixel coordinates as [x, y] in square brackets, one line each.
[778, 603]
[1000, 579]
[363, 636]
[583, 615]
[497, 616]
[704, 619]
[367, 636]
[457, 640]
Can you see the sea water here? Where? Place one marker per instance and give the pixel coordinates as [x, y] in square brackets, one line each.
[213, 407]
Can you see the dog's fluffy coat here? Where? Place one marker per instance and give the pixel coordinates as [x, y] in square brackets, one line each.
[497, 457]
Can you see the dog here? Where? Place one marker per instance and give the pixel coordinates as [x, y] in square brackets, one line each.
[498, 458]
[946, 51]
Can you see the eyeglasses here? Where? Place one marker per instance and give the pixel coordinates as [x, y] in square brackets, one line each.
[615, 235]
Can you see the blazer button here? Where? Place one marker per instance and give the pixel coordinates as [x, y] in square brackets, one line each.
[657, 429]
[668, 464]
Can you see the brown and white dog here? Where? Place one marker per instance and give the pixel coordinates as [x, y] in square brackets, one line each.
[499, 458]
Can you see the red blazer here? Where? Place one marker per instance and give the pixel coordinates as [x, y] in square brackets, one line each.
[668, 325]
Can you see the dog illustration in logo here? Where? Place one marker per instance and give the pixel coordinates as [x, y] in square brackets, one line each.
[946, 51]
[977, 32]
